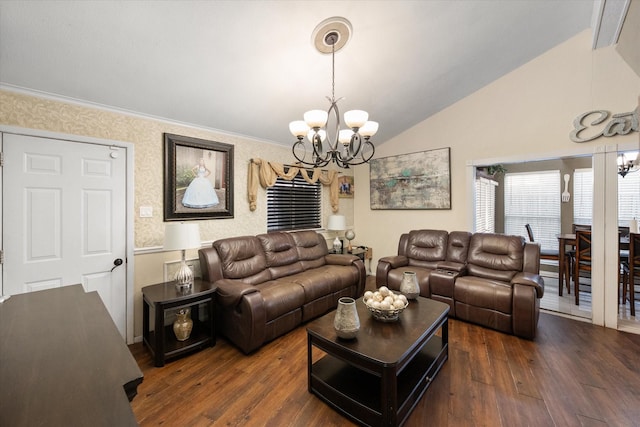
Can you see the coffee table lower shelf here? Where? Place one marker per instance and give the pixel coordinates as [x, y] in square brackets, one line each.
[361, 395]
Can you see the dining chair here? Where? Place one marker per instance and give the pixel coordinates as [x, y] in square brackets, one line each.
[575, 227]
[582, 259]
[632, 271]
[553, 255]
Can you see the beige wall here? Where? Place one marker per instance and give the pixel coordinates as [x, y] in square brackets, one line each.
[630, 36]
[527, 114]
[25, 111]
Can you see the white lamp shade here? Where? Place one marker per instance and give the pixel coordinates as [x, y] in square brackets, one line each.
[356, 118]
[369, 129]
[345, 136]
[337, 223]
[316, 118]
[179, 236]
[298, 128]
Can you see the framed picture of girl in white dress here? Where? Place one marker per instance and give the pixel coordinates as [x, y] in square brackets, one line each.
[198, 179]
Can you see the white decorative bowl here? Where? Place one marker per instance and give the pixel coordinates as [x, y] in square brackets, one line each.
[391, 315]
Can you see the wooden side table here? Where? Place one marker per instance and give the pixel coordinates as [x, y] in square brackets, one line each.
[166, 299]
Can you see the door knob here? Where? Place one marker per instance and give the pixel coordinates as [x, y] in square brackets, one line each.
[116, 263]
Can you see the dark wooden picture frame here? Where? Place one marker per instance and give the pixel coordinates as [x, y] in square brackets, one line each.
[198, 179]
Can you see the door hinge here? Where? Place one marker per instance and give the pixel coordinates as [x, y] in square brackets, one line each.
[1, 159]
[1, 257]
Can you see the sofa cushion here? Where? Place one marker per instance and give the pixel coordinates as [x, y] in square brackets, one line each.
[483, 293]
[243, 258]
[281, 254]
[280, 297]
[336, 277]
[425, 248]
[311, 248]
[495, 256]
[458, 246]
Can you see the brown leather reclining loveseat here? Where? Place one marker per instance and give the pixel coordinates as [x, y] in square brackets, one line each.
[269, 284]
[489, 279]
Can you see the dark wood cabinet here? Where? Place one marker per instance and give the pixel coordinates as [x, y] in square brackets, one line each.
[63, 362]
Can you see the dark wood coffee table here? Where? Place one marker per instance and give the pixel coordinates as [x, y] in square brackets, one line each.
[377, 378]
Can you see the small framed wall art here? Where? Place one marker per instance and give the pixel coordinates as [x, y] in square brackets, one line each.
[346, 188]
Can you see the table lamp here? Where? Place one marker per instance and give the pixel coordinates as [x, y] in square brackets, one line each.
[337, 223]
[180, 237]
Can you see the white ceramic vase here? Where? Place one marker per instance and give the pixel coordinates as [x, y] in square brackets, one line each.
[346, 322]
[409, 285]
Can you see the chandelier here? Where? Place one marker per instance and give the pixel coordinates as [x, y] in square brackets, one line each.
[628, 163]
[317, 145]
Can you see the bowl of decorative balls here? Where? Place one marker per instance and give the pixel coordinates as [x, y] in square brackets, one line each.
[384, 304]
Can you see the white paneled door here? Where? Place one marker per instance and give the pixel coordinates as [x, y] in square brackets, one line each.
[64, 218]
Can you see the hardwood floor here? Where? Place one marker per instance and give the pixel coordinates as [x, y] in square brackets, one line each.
[573, 374]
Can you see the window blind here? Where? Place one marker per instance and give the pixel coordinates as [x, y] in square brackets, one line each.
[582, 196]
[294, 205]
[485, 205]
[628, 198]
[533, 198]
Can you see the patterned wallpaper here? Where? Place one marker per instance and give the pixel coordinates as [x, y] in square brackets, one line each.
[146, 134]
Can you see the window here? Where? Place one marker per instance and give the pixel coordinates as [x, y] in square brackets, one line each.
[628, 197]
[582, 196]
[485, 205]
[533, 198]
[294, 205]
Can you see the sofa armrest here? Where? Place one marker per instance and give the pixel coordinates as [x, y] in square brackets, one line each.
[386, 264]
[210, 264]
[531, 260]
[395, 261]
[530, 279]
[339, 259]
[350, 260]
[230, 292]
[241, 314]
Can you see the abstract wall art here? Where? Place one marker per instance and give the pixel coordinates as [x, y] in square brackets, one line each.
[411, 181]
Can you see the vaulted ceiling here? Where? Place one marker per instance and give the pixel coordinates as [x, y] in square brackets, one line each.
[249, 67]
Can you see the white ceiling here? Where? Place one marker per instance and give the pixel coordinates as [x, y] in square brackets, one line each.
[248, 67]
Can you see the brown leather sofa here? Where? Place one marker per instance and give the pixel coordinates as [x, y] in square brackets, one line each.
[269, 284]
[489, 279]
